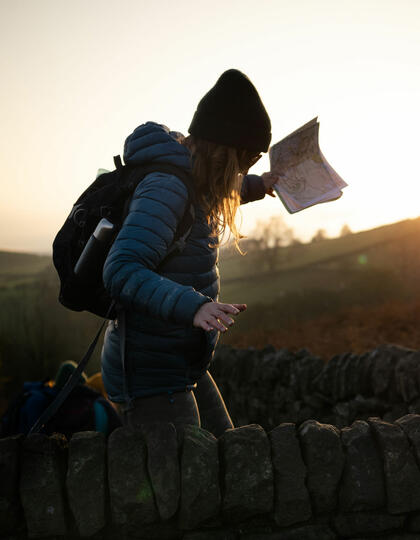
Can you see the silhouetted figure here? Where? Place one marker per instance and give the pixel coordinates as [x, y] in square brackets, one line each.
[170, 304]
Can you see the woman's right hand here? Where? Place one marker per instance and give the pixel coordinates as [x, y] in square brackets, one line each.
[214, 315]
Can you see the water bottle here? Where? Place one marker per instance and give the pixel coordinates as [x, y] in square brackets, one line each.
[90, 263]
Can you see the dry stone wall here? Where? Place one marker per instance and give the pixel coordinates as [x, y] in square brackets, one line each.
[309, 482]
[306, 480]
[270, 386]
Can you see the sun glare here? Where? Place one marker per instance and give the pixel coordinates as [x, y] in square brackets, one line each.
[70, 97]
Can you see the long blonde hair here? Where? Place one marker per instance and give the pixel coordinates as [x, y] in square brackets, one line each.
[218, 173]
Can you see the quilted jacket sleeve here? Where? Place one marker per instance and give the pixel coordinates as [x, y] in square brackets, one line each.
[252, 189]
[156, 208]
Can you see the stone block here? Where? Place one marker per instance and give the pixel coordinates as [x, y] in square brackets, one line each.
[317, 400]
[291, 498]
[284, 360]
[366, 523]
[410, 424]
[414, 406]
[370, 406]
[210, 535]
[86, 481]
[302, 372]
[261, 523]
[386, 358]
[365, 375]
[42, 486]
[324, 381]
[305, 532]
[392, 536]
[162, 530]
[10, 508]
[324, 459]
[341, 411]
[407, 378]
[314, 365]
[247, 472]
[362, 486]
[200, 490]
[413, 522]
[397, 411]
[352, 386]
[340, 378]
[402, 475]
[383, 371]
[131, 494]
[163, 466]
[305, 413]
[267, 371]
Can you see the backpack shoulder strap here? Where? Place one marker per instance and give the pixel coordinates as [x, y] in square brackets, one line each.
[72, 381]
[135, 175]
[138, 172]
[118, 162]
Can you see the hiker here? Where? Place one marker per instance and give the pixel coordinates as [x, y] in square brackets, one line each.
[172, 314]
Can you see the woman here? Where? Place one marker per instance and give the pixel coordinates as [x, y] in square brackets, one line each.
[173, 317]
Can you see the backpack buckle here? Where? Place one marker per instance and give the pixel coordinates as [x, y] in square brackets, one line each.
[105, 211]
[79, 215]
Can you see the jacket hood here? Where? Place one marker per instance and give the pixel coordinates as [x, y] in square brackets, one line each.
[152, 142]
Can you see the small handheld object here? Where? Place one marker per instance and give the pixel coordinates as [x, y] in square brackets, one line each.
[95, 248]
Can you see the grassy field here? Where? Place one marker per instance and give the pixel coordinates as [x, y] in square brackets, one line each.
[335, 295]
[20, 268]
[292, 257]
[355, 329]
[331, 263]
[349, 293]
[36, 332]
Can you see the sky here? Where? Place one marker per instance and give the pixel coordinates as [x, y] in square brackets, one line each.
[79, 75]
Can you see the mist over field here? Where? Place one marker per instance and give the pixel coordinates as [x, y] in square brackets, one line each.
[329, 296]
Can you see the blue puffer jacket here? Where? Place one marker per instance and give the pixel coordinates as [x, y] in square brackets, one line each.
[164, 351]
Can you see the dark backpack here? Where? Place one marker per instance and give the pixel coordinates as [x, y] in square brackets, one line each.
[26, 407]
[83, 410]
[107, 197]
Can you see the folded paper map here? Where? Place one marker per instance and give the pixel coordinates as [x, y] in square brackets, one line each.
[304, 175]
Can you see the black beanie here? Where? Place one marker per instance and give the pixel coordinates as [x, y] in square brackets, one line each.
[232, 113]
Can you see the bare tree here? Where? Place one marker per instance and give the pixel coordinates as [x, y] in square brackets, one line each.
[319, 235]
[345, 230]
[269, 236]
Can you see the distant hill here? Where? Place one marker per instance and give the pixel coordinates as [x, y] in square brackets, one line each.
[381, 246]
[17, 268]
[324, 264]
[293, 257]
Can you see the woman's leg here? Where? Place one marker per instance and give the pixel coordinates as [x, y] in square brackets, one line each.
[213, 412]
[180, 408]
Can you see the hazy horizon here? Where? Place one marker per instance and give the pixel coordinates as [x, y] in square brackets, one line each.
[328, 237]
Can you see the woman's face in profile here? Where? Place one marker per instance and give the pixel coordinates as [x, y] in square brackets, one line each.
[248, 162]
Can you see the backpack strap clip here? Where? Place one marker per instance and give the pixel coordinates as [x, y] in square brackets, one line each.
[117, 162]
[105, 211]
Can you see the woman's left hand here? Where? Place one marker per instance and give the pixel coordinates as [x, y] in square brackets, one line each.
[269, 179]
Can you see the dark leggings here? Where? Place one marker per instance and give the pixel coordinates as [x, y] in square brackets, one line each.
[203, 406]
